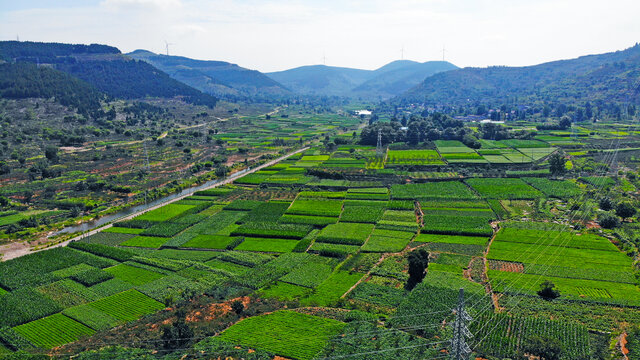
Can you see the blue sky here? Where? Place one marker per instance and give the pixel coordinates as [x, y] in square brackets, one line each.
[272, 35]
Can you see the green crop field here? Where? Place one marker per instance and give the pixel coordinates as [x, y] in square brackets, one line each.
[436, 190]
[504, 189]
[306, 335]
[127, 306]
[133, 275]
[413, 157]
[53, 331]
[345, 233]
[267, 245]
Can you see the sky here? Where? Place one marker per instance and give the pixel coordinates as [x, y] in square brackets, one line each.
[273, 35]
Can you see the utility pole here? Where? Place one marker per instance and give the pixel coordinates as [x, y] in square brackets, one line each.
[459, 348]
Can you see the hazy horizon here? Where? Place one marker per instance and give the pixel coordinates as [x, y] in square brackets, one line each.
[282, 34]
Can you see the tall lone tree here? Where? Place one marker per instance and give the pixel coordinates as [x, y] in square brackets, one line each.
[557, 163]
[625, 209]
[418, 263]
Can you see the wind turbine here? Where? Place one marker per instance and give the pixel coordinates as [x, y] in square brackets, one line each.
[166, 45]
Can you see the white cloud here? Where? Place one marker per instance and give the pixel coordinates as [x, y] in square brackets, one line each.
[162, 5]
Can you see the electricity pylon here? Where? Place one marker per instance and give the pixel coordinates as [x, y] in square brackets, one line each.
[459, 348]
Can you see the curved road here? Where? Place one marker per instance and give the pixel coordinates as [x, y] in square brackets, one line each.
[15, 250]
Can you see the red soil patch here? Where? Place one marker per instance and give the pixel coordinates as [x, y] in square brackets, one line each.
[216, 310]
[507, 266]
[623, 345]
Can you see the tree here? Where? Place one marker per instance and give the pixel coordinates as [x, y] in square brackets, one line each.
[557, 163]
[418, 263]
[548, 290]
[565, 122]
[4, 168]
[608, 220]
[605, 204]
[545, 347]
[237, 307]
[625, 209]
[471, 141]
[178, 334]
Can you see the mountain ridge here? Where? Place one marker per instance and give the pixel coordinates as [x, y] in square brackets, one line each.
[389, 80]
[578, 79]
[215, 77]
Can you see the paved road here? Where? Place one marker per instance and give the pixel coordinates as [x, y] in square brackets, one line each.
[15, 250]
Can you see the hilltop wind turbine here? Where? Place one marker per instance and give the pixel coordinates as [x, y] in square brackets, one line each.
[402, 53]
[166, 45]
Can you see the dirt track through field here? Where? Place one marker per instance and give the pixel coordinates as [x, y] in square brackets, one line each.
[18, 249]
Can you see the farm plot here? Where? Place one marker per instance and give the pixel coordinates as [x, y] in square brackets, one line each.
[452, 146]
[308, 220]
[385, 296]
[217, 242]
[35, 269]
[334, 250]
[312, 273]
[287, 330]
[401, 220]
[330, 291]
[127, 306]
[413, 157]
[145, 241]
[438, 223]
[466, 245]
[571, 289]
[284, 291]
[504, 188]
[518, 143]
[578, 263]
[164, 213]
[133, 275]
[53, 331]
[536, 153]
[345, 233]
[316, 207]
[433, 190]
[363, 214]
[273, 229]
[387, 241]
[504, 335]
[463, 157]
[276, 245]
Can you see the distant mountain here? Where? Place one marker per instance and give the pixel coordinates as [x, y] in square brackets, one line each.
[105, 68]
[321, 79]
[387, 81]
[399, 76]
[213, 77]
[607, 77]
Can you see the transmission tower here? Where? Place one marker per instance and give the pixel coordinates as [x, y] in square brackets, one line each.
[459, 348]
[379, 151]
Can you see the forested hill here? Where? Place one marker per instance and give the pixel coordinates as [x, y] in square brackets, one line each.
[214, 77]
[25, 80]
[105, 68]
[606, 77]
